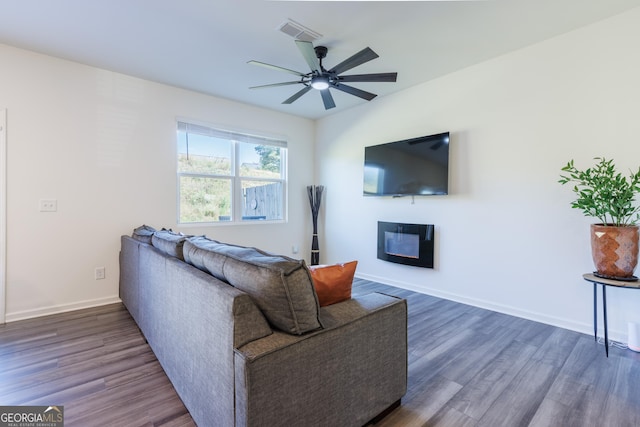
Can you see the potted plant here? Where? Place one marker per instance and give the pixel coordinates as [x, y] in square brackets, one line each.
[607, 195]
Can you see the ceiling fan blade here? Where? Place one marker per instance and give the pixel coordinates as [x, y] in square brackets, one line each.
[297, 95]
[327, 99]
[275, 67]
[378, 77]
[365, 55]
[309, 54]
[276, 85]
[355, 91]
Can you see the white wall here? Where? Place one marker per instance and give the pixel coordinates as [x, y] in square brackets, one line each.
[103, 145]
[506, 237]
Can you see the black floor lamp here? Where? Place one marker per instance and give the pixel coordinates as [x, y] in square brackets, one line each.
[315, 197]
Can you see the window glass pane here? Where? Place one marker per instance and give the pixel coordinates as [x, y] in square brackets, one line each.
[204, 154]
[218, 168]
[262, 200]
[205, 199]
[260, 161]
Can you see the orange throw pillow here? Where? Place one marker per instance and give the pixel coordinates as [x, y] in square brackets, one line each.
[333, 282]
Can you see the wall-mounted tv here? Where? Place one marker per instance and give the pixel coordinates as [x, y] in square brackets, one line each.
[411, 167]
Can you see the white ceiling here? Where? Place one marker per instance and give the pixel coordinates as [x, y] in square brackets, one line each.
[204, 45]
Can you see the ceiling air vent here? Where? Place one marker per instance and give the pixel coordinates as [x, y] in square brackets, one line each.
[298, 31]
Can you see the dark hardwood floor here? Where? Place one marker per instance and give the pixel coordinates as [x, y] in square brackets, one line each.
[467, 367]
[95, 362]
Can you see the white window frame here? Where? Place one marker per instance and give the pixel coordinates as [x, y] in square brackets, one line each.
[237, 138]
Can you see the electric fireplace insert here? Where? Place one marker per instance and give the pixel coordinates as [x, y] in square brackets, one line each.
[409, 244]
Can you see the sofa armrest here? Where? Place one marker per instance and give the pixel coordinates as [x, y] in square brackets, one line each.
[344, 374]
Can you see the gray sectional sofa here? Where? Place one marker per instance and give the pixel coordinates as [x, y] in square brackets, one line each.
[241, 336]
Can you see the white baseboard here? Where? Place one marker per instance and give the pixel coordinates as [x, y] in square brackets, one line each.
[56, 309]
[585, 328]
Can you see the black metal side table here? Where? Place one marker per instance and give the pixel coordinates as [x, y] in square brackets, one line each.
[589, 277]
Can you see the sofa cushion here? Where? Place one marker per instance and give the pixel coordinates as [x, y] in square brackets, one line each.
[280, 286]
[169, 242]
[333, 282]
[207, 255]
[144, 233]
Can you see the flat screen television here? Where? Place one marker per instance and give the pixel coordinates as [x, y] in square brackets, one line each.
[411, 167]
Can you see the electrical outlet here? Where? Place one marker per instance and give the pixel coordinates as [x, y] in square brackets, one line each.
[100, 273]
[48, 205]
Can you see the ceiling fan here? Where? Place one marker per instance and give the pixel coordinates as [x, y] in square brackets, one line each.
[321, 79]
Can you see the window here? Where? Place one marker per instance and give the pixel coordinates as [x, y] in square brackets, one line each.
[229, 177]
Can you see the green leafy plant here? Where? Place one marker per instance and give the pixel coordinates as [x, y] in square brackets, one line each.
[603, 193]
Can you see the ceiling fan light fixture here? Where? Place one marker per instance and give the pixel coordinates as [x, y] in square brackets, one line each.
[320, 82]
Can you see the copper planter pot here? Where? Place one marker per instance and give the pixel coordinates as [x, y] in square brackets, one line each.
[614, 250]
